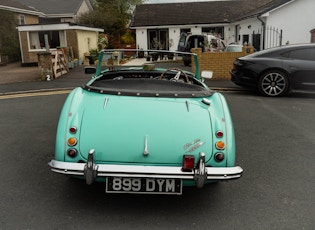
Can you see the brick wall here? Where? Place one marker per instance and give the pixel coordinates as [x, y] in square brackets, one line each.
[28, 57]
[220, 63]
[72, 41]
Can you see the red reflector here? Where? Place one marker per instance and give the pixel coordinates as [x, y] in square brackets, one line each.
[188, 162]
[219, 134]
[73, 129]
[219, 157]
[72, 152]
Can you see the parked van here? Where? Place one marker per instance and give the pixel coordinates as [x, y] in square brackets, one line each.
[208, 43]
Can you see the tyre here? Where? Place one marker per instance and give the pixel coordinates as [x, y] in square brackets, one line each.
[273, 83]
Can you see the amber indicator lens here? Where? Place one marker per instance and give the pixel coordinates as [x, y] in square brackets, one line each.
[72, 141]
[220, 145]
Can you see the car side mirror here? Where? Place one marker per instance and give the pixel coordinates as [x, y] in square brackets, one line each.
[90, 70]
[206, 74]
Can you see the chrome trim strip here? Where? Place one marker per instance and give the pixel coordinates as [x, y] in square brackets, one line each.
[146, 150]
[105, 102]
[187, 105]
[104, 170]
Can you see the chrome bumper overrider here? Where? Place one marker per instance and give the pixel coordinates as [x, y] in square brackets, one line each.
[90, 171]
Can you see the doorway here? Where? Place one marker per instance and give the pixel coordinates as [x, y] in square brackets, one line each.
[158, 39]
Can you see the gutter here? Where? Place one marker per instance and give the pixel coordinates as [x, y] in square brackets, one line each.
[22, 11]
[264, 30]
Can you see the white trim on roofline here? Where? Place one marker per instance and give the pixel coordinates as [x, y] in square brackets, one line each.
[61, 26]
[274, 9]
[177, 26]
[22, 11]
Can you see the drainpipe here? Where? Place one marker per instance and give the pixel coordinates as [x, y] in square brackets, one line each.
[263, 31]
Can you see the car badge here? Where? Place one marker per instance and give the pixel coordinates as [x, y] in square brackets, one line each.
[192, 146]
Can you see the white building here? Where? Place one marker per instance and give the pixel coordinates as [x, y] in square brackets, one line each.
[264, 23]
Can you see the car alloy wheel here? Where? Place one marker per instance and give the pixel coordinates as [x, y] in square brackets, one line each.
[273, 83]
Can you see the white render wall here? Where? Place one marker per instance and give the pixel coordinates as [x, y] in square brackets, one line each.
[142, 39]
[296, 20]
[247, 27]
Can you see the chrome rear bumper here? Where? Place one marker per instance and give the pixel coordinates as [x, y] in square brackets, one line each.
[90, 171]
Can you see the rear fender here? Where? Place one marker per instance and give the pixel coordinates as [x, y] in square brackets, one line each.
[224, 122]
[69, 116]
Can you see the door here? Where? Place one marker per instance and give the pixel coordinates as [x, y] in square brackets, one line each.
[182, 41]
[301, 64]
[158, 39]
[256, 41]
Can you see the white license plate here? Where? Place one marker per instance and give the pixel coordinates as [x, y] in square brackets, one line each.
[143, 185]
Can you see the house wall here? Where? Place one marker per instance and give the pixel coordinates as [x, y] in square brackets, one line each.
[29, 19]
[312, 36]
[142, 39]
[248, 28]
[229, 34]
[27, 57]
[220, 63]
[174, 35]
[88, 40]
[84, 8]
[72, 42]
[296, 19]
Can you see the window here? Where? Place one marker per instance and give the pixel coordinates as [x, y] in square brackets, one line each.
[157, 39]
[55, 39]
[22, 19]
[302, 54]
[187, 31]
[217, 31]
[34, 42]
[245, 39]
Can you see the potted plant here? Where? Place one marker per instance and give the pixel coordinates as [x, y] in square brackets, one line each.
[155, 56]
[170, 56]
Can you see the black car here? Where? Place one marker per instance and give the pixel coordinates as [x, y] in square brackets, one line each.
[277, 71]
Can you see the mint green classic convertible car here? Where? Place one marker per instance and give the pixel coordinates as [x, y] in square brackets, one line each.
[143, 129]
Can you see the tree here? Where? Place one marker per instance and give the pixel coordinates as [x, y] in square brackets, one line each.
[9, 40]
[111, 15]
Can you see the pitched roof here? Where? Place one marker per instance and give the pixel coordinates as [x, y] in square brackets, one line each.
[255, 9]
[211, 12]
[16, 6]
[54, 6]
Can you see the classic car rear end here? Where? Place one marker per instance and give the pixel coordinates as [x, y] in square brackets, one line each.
[146, 131]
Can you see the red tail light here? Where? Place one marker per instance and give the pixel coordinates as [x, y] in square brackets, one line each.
[219, 157]
[219, 134]
[188, 162]
[73, 129]
[72, 153]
